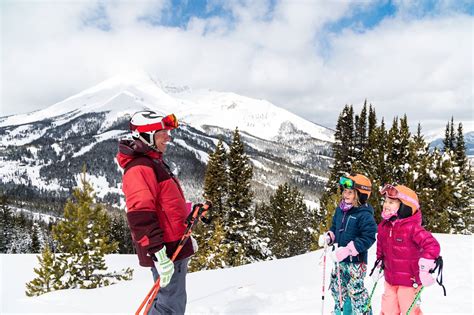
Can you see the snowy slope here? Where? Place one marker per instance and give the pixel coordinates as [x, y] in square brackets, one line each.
[283, 286]
[127, 93]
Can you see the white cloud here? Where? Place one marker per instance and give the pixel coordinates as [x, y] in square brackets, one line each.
[422, 67]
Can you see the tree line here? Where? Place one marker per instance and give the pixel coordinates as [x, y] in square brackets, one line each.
[245, 230]
[442, 178]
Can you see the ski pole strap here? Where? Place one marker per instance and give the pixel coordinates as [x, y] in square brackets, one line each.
[377, 262]
[439, 277]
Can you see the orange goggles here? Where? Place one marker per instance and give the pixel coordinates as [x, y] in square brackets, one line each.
[169, 122]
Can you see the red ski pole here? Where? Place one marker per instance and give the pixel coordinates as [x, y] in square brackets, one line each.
[324, 277]
[150, 297]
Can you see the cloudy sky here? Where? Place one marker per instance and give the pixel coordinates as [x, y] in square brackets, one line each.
[310, 57]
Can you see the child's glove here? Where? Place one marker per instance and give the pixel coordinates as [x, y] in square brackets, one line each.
[377, 272]
[425, 266]
[326, 239]
[165, 267]
[341, 253]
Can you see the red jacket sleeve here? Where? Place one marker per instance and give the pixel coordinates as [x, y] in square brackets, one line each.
[379, 242]
[428, 245]
[140, 188]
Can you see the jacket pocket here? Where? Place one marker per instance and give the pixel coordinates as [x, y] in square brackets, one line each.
[350, 224]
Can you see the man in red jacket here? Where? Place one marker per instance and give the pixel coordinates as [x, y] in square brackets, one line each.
[156, 207]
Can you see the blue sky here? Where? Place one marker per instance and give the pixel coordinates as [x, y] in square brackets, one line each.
[310, 57]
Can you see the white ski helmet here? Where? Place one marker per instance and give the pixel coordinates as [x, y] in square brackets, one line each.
[144, 124]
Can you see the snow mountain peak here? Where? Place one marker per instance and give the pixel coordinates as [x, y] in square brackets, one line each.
[129, 92]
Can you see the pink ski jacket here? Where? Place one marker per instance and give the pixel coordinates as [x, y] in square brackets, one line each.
[400, 244]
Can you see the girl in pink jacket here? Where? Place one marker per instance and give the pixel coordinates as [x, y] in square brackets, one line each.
[406, 250]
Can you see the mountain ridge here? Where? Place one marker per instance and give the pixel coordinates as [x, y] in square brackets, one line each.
[43, 152]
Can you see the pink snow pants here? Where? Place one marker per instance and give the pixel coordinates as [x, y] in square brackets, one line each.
[397, 299]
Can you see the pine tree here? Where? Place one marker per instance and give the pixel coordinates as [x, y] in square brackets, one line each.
[214, 253]
[449, 137]
[371, 150]
[261, 247]
[120, 233]
[239, 201]
[343, 149]
[440, 206]
[360, 141]
[83, 238]
[6, 224]
[48, 275]
[35, 246]
[216, 180]
[463, 191]
[290, 223]
[404, 159]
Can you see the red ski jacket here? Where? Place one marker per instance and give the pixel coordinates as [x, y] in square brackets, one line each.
[156, 207]
[400, 244]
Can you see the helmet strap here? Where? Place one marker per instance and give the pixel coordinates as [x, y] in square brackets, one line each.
[151, 145]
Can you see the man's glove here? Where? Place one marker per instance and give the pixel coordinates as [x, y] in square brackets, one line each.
[425, 266]
[165, 266]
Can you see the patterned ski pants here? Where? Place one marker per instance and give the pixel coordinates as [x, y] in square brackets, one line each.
[352, 286]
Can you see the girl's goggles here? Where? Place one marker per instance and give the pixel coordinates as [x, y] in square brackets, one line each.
[392, 192]
[346, 182]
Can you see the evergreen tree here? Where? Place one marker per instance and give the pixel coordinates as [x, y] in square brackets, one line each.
[262, 249]
[463, 191]
[290, 223]
[329, 210]
[449, 138]
[120, 233]
[6, 224]
[404, 159]
[441, 213]
[371, 150]
[83, 238]
[35, 242]
[239, 200]
[216, 180]
[214, 253]
[48, 275]
[360, 140]
[343, 149]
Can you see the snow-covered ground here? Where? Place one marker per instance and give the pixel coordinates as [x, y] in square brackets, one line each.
[287, 286]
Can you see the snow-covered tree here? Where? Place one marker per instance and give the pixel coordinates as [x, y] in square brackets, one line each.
[238, 213]
[212, 254]
[216, 180]
[290, 222]
[6, 224]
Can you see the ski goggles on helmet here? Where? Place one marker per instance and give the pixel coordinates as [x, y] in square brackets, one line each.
[346, 182]
[169, 122]
[391, 191]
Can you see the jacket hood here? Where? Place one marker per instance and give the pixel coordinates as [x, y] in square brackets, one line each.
[362, 208]
[131, 149]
